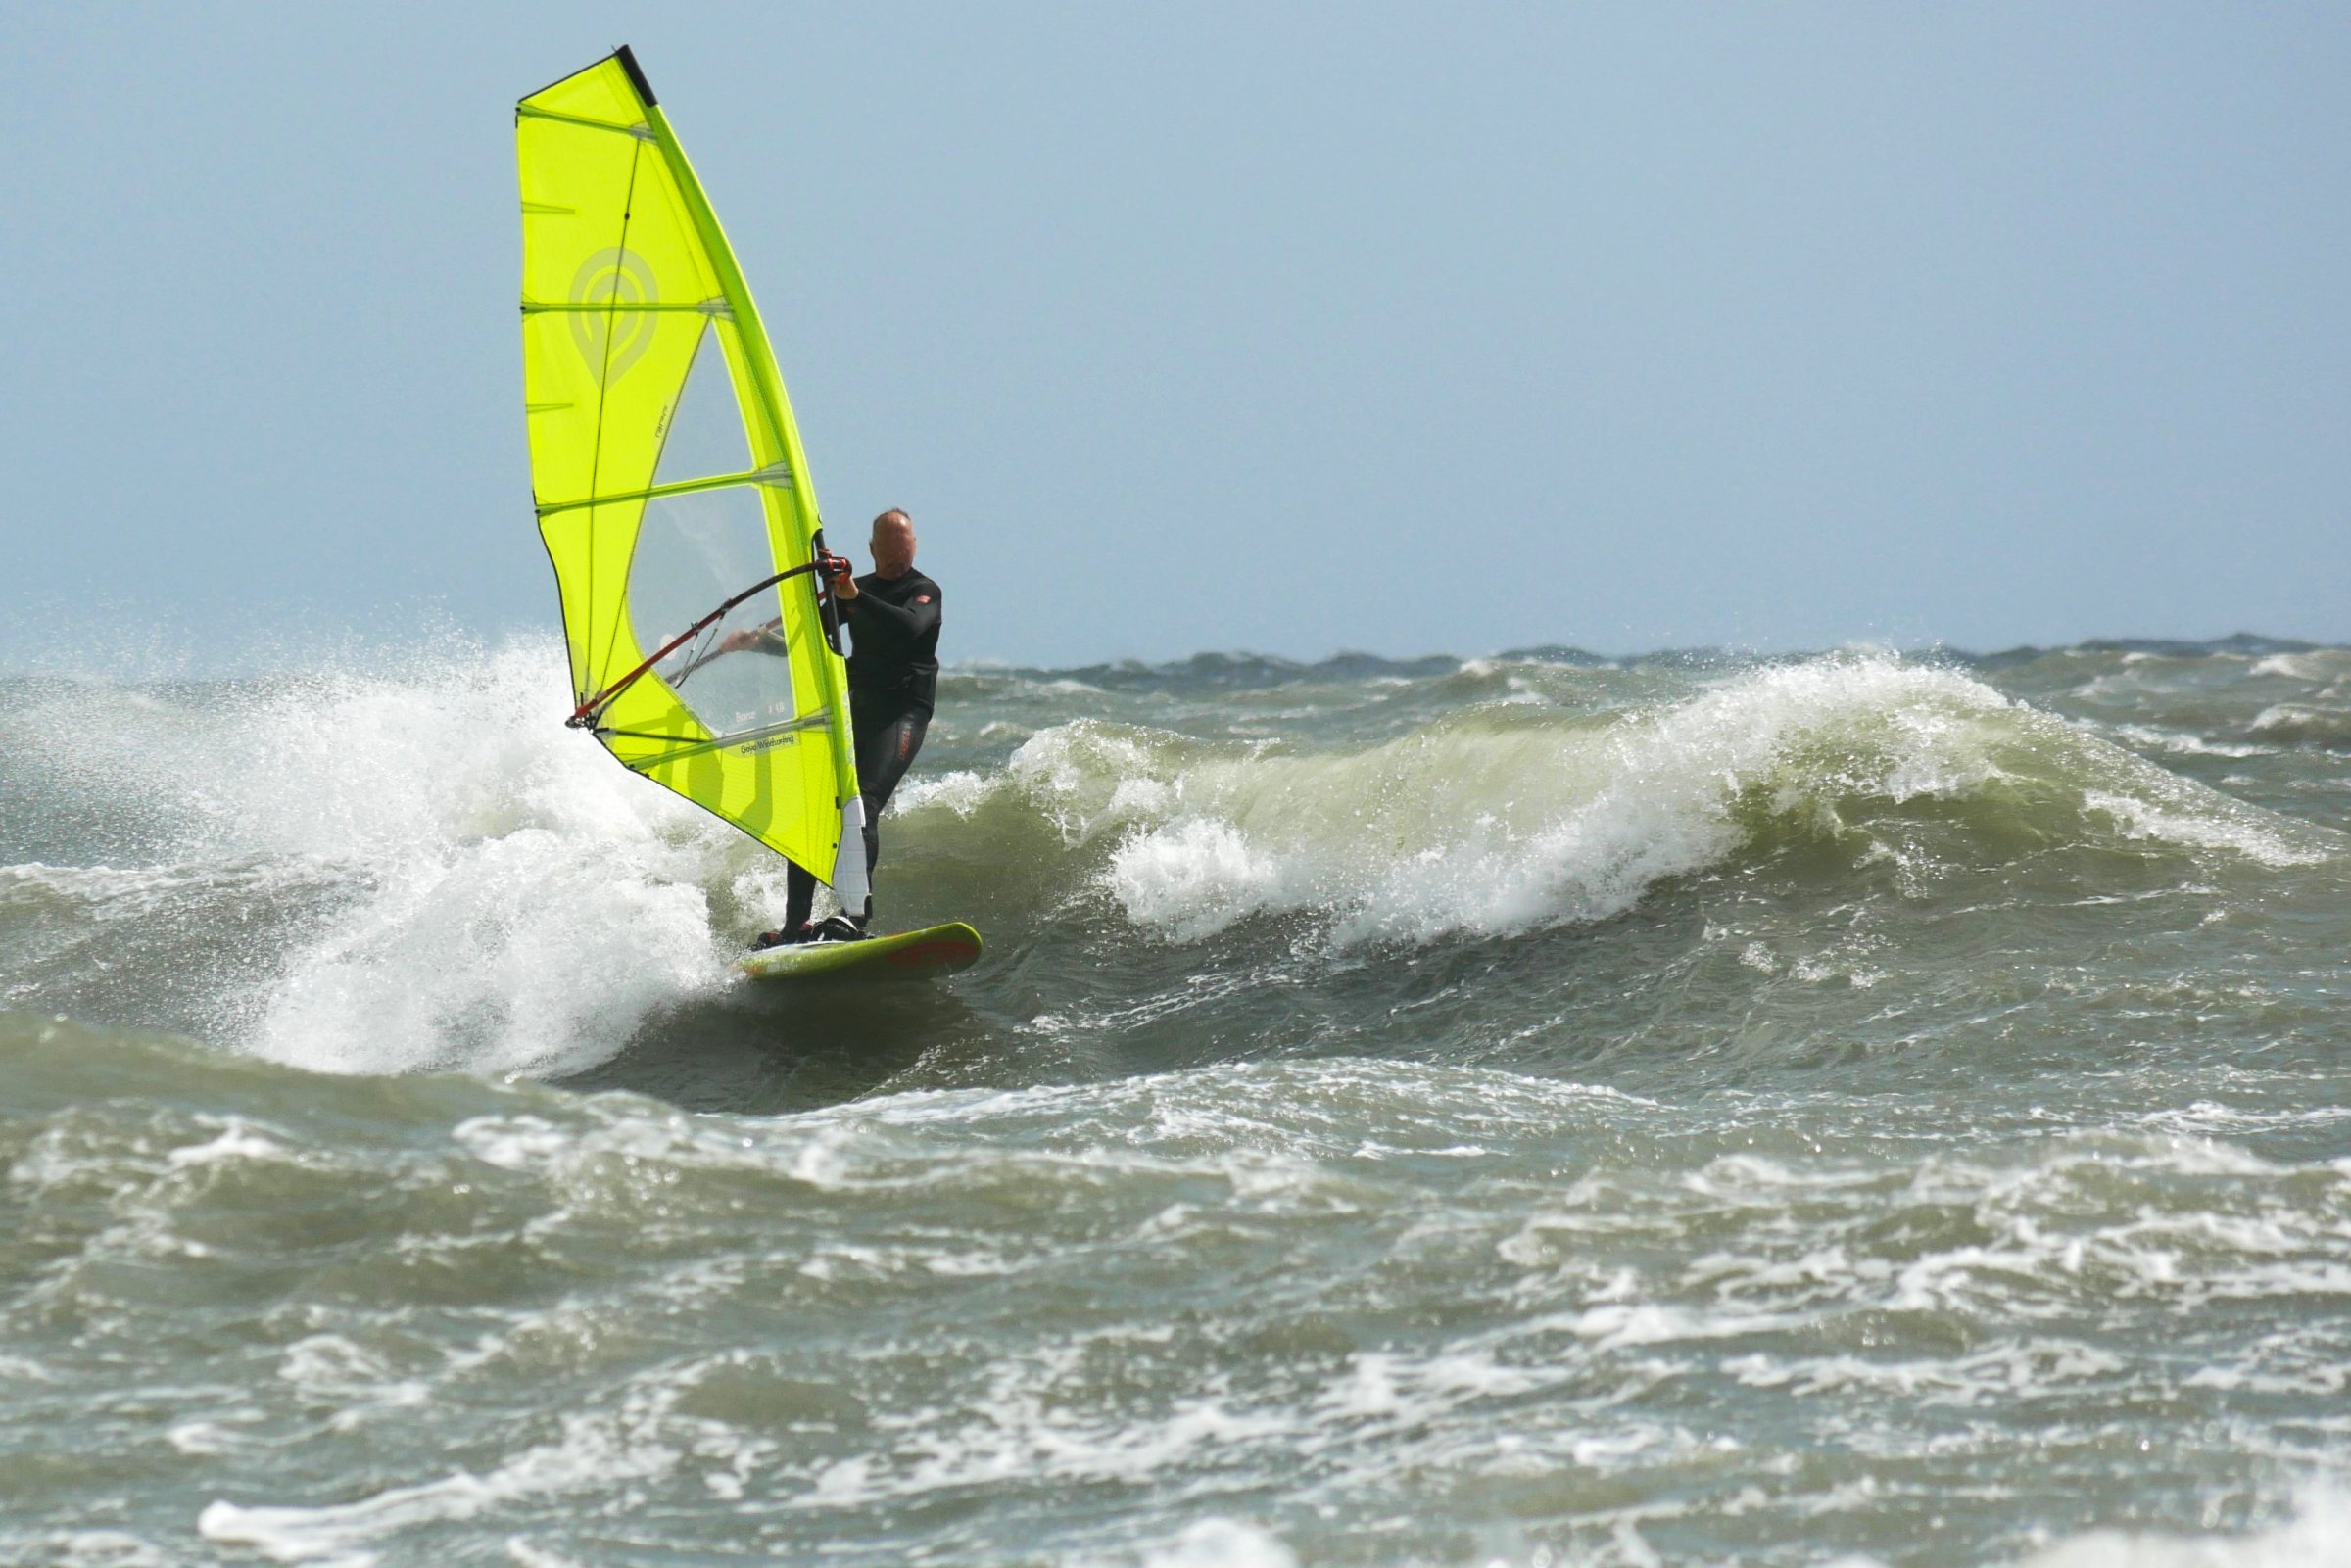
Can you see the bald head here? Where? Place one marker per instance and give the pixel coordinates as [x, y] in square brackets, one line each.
[894, 543]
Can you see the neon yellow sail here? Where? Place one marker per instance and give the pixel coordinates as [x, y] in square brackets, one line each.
[669, 479]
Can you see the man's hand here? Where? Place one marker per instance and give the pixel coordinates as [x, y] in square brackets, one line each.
[737, 641]
[842, 575]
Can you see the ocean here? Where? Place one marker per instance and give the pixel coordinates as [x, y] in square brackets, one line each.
[1531, 1110]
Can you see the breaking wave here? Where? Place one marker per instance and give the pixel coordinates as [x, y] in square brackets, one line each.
[1498, 820]
[387, 869]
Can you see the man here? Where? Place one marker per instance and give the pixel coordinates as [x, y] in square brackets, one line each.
[892, 614]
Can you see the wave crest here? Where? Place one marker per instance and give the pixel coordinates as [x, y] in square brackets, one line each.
[1501, 820]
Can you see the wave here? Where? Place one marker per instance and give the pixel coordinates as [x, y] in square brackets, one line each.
[2298, 723]
[1532, 1244]
[2313, 1537]
[1496, 822]
[457, 884]
[406, 866]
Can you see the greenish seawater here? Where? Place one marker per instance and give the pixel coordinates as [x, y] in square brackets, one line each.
[1534, 1109]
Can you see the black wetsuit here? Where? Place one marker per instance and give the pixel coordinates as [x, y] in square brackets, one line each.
[893, 683]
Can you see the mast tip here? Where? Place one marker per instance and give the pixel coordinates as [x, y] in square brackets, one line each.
[628, 62]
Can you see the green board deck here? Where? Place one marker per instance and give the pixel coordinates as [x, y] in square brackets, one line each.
[928, 954]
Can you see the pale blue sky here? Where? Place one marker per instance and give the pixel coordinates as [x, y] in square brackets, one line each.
[1282, 328]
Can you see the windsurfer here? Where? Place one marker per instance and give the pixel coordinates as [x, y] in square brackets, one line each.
[892, 613]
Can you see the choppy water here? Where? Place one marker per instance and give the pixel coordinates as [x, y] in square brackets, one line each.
[1531, 1109]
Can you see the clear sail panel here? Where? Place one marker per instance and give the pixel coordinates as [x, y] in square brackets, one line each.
[702, 436]
[694, 553]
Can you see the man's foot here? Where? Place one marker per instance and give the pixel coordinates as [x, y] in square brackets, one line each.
[781, 938]
[836, 928]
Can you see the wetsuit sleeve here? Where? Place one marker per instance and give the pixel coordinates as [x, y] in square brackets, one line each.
[910, 623]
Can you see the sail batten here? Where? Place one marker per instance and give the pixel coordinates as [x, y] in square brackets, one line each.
[776, 475]
[668, 479]
[600, 307]
[640, 131]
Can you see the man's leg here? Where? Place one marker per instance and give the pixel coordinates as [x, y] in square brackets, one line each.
[799, 896]
[883, 754]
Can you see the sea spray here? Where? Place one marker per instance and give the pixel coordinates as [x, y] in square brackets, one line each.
[465, 882]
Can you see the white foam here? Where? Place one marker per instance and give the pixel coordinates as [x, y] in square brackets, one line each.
[1218, 1543]
[960, 792]
[512, 1142]
[237, 1141]
[331, 1366]
[528, 1555]
[1617, 1325]
[105, 1548]
[202, 1438]
[1499, 830]
[2217, 824]
[138, 893]
[1453, 829]
[2319, 1536]
[1192, 879]
[491, 891]
[2317, 665]
[487, 890]
[596, 1454]
[2304, 722]
[2185, 742]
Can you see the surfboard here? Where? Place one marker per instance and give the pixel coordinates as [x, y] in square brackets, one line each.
[930, 954]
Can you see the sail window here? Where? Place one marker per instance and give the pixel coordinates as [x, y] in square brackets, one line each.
[693, 552]
[703, 435]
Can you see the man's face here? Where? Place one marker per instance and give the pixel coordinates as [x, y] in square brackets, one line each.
[893, 546]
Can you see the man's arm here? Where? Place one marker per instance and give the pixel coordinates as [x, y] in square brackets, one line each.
[911, 622]
[768, 638]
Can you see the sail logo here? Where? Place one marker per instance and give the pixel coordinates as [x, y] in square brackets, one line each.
[611, 340]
